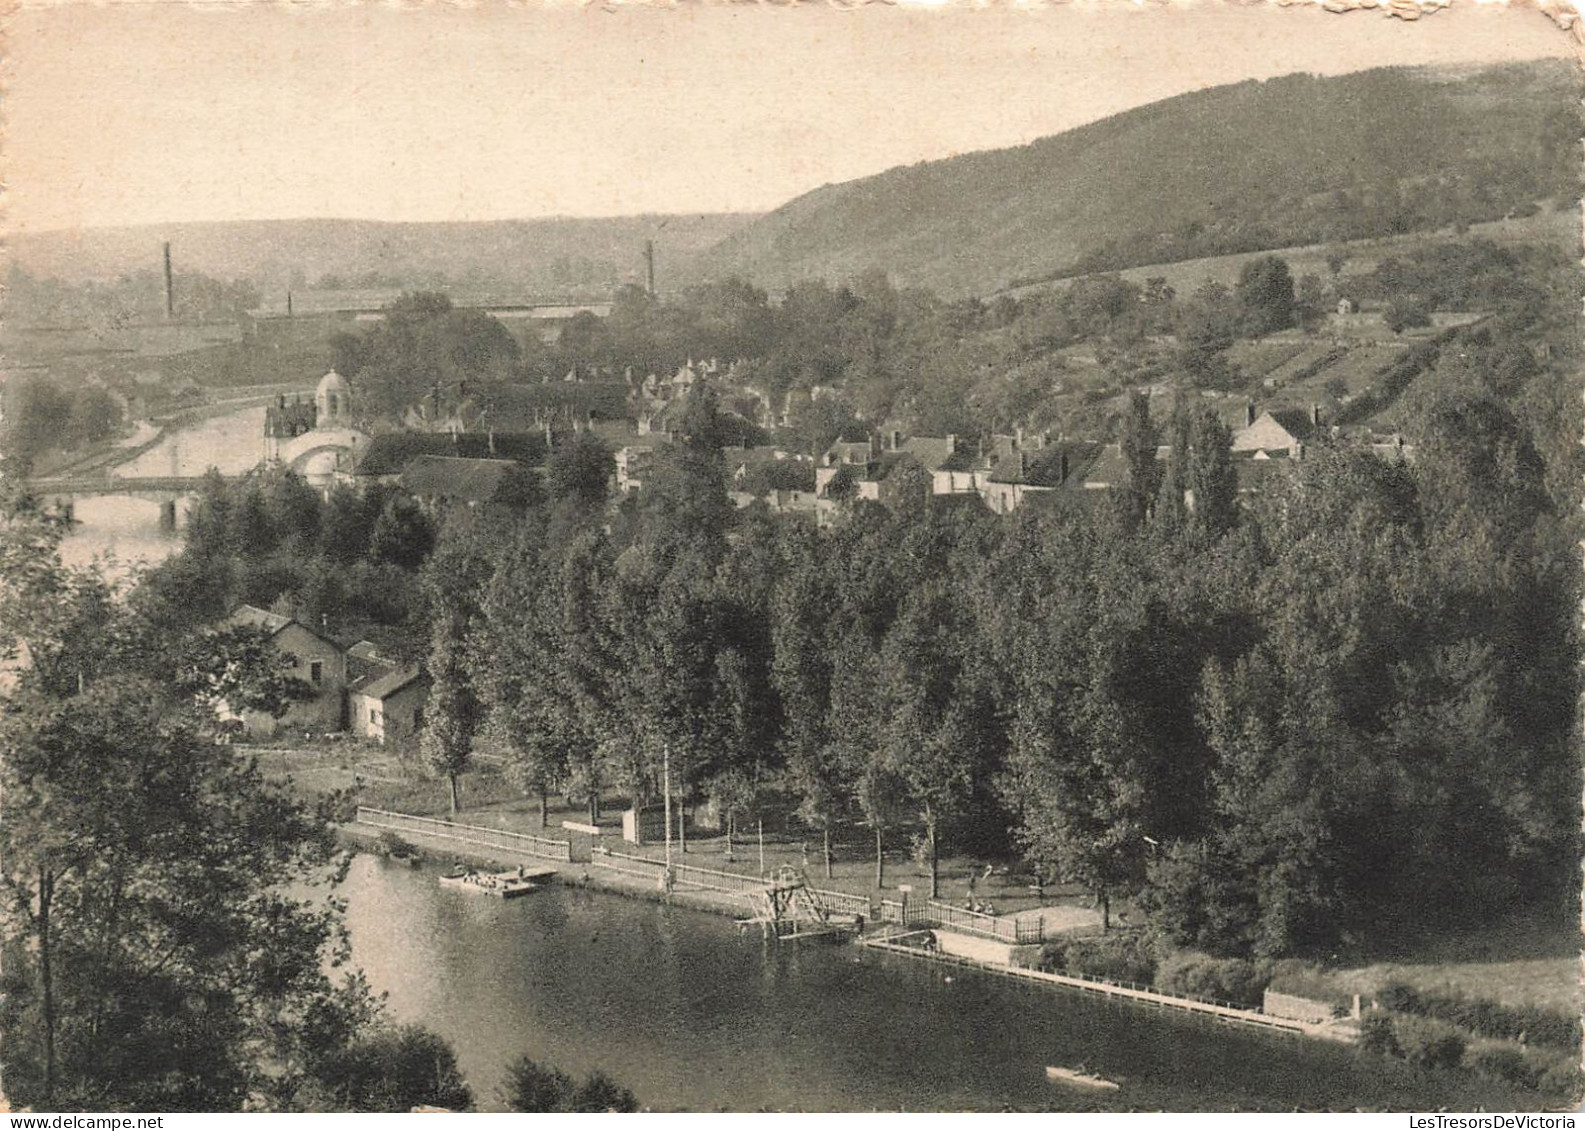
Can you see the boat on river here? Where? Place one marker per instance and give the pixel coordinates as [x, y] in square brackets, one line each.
[1079, 1079]
[502, 885]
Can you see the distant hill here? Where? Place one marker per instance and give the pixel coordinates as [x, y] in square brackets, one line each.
[1294, 160]
[546, 257]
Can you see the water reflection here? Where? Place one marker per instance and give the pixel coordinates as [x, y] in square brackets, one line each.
[680, 1007]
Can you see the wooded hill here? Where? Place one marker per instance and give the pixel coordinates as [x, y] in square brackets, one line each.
[1261, 164]
[553, 256]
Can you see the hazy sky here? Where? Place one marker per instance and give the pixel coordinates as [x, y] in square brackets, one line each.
[155, 112]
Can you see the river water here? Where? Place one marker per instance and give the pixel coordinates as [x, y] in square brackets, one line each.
[126, 529]
[678, 1006]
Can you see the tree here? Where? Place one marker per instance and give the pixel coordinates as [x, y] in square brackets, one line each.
[454, 581]
[1406, 312]
[540, 1088]
[1265, 296]
[393, 1070]
[934, 714]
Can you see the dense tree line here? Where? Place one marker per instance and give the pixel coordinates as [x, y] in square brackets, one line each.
[348, 561]
[40, 415]
[1281, 725]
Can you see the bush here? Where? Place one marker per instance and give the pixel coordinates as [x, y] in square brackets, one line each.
[541, 1088]
[392, 846]
[1504, 1062]
[1563, 1079]
[1429, 1043]
[1192, 974]
[1525, 1023]
[1117, 957]
[1376, 1034]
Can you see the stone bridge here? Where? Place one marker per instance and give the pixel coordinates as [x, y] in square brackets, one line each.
[61, 493]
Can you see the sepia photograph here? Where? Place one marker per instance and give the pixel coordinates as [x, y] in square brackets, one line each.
[725, 557]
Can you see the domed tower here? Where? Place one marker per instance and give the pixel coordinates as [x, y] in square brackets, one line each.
[333, 399]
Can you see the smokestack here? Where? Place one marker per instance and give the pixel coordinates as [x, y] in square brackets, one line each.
[170, 294]
[288, 302]
[1249, 415]
[1315, 415]
[649, 266]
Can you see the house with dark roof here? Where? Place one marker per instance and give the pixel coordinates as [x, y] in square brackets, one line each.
[1277, 433]
[387, 456]
[1029, 472]
[442, 482]
[311, 657]
[386, 703]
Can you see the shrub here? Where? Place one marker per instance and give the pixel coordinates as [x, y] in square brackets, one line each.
[1220, 979]
[1428, 1042]
[1503, 1061]
[1563, 1079]
[1376, 1034]
[1117, 957]
[389, 844]
[1527, 1023]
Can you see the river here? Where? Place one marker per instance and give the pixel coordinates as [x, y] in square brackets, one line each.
[679, 1007]
[128, 529]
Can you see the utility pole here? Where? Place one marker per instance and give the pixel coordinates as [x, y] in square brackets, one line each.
[666, 788]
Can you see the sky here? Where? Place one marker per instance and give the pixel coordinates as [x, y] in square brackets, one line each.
[158, 112]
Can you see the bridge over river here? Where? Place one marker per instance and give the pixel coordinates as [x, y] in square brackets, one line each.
[61, 493]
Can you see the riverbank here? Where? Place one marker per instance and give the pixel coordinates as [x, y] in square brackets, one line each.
[936, 944]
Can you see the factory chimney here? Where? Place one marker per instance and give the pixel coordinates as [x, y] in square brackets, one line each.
[170, 294]
[649, 267]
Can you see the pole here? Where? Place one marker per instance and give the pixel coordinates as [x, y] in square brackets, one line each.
[762, 846]
[666, 787]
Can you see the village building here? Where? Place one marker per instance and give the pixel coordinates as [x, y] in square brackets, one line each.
[440, 483]
[317, 441]
[385, 698]
[315, 659]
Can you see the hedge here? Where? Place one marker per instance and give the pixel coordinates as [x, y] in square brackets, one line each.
[1117, 957]
[1192, 974]
[1526, 1023]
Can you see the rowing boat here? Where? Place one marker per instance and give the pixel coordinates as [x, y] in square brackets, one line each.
[502, 885]
[1076, 1079]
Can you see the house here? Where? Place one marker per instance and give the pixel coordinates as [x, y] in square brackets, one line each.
[1028, 473]
[442, 482]
[388, 706]
[387, 456]
[1277, 433]
[315, 659]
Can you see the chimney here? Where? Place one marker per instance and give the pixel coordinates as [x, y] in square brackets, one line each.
[550, 437]
[649, 267]
[1023, 465]
[952, 443]
[280, 400]
[170, 293]
[1045, 439]
[1064, 478]
[288, 302]
[1249, 414]
[492, 443]
[1315, 415]
[897, 439]
[1018, 438]
[590, 420]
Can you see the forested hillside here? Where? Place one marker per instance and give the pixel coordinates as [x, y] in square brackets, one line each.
[1294, 160]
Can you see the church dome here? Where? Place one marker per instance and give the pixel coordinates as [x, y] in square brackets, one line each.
[332, 382]
[333, 399]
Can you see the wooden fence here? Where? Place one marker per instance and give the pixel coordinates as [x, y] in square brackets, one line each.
[477, 836]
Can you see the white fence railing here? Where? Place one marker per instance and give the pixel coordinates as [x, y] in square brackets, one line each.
[479, 836]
